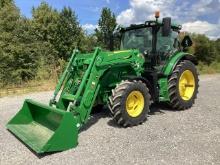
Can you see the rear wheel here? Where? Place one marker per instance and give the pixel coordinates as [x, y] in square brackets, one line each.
[183, 85]
[129, 103]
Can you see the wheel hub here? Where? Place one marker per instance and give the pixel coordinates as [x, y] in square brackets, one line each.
[135, 103]
[186, 85]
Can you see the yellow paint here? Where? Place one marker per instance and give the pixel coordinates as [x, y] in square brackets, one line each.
[120, 51]
[186, 85]
[135, 103]
[116, 52]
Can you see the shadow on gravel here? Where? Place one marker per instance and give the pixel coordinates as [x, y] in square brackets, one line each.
[94, 118]
[155, 109]
[40, 156]
[113, 123]
[159, 108]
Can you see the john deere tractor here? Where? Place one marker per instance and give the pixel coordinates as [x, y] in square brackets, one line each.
[151, 66]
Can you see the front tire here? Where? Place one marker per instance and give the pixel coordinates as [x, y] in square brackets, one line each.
[183, 85]
[129, 103]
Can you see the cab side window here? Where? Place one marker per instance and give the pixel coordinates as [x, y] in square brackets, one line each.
[166, 44]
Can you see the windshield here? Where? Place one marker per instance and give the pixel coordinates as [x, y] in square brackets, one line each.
[137, 39]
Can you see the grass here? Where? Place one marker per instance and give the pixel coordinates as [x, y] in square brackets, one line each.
[29, 87]
[213, 68]
[47, 85]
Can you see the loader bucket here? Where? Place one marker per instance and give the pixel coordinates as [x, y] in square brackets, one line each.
[44, 128]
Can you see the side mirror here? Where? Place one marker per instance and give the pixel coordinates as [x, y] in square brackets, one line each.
[117, 32]
[176, 44]
[166, 28]
[147, 53]
[186, 42]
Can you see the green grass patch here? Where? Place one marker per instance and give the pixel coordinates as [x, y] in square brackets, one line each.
[209, 69]
[28, 87]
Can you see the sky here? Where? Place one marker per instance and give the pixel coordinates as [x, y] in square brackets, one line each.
[199, 16]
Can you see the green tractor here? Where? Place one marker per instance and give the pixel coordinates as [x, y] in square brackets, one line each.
[151, 67]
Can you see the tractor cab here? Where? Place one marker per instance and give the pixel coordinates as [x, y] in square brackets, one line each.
[156, 40]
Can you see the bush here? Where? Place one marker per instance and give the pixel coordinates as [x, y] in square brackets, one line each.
[214, 67]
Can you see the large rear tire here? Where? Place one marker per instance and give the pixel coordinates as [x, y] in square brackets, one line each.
[129, 103]
[183, 85]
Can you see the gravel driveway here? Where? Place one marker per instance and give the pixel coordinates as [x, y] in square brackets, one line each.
[168, 137]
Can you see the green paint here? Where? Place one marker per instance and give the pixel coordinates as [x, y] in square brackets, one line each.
[43, 127]
[163, 93]
[171, 62]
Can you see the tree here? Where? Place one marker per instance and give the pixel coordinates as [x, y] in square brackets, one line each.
[44, 28]
[87, 42]
[204, 49]
[68, 33]
[17, 63]
[217, 46]
[106, 26]
[5, 2]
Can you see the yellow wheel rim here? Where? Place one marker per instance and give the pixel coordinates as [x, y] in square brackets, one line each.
[186, 85]
[135, 103]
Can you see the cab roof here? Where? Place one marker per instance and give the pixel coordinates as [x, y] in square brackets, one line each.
[151, 23]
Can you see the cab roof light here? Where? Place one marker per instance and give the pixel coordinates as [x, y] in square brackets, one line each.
[157, 14]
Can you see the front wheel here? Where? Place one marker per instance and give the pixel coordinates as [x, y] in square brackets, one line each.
[183, 85]
[129, 103]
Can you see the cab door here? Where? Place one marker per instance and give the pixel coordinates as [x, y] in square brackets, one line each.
[166, 46]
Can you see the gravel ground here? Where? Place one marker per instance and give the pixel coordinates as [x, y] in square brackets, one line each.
[168, 137]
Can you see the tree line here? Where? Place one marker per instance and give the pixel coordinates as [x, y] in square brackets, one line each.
[207, 51]
[38, 47]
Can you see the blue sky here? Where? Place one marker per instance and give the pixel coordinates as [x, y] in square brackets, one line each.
[200, 16]
[88, 11]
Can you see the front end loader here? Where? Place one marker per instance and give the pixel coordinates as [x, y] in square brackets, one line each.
[54, 127]
[152, 65]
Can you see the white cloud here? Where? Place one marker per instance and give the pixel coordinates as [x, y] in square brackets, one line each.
[108, 1]
[126, 17]
[185, 12]
[203, 27]
[89, 27]
[200, 27]
[141, 10]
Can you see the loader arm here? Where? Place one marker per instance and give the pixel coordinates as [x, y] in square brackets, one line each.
[81, 101]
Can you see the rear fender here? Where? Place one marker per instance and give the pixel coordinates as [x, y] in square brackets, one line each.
[173, 61]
